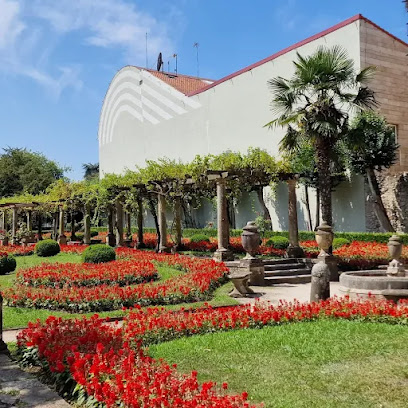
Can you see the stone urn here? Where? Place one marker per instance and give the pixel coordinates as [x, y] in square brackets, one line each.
[250, 239]
[324, 238]
[395, 267]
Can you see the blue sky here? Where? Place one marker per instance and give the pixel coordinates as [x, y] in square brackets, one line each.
[57, 57]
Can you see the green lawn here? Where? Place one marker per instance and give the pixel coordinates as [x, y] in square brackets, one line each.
[318, 364]
[14, 317]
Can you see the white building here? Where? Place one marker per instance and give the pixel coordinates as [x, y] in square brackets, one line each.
[148, 115]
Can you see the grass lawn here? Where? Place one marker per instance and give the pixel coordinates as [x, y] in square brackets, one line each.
[317, 364]
[16, 317]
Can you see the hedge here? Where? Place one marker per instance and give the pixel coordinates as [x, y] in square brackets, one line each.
[380, 237]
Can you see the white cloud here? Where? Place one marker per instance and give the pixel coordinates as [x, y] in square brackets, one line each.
[107, 23]
[30, 31]
[10, 25]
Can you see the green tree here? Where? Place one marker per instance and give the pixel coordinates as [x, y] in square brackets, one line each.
[373, 148]
[24, 171]
[91, 171]
[315, 105]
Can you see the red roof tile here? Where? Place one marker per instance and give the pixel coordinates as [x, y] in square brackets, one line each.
[183, 83]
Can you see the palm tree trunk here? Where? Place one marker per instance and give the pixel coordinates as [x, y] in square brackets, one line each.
[379, 208]
[265, 209]
[325, 187]
[309, 214]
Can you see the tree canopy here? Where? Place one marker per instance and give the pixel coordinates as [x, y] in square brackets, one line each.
[24, 171]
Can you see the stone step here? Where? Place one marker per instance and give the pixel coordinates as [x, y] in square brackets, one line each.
[288, 272]
[281, 261]
[280, 267]
[296, 279]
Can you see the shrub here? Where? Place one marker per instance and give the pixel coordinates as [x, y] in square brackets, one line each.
[98, 253]
[278, 242]
[94, 234]
[48, 247]
[199, 238]
[339, 242]
[7, 263]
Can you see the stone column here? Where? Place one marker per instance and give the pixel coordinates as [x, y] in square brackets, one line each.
[110, 238]
[39, 220]
[3, 345]
[223, 253]
[62, 239]
[14, 226]
[128, 239]
[119, 223]
[73, 236]
[87, 224]
[29, 221]
[177, 222]
[55, 226]
[294, 250]
[140, 242]
[3, 220]
[161, 209]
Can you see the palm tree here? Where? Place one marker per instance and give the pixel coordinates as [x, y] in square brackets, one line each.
[315, 105]
[91, 170]
[373, 148]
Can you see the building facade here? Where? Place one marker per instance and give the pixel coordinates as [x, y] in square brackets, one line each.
[148, 115]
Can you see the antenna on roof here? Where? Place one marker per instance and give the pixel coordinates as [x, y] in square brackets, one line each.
[159, 61]
[147, 61]
[196, 45]
[175, 56]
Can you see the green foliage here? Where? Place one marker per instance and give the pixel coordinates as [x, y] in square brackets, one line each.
[339, 242]
[371, 143]
[278, 242]
[199, 238]
[48, 247]
[24, 171]
[7, 264]
[98, 253]
[91, 171]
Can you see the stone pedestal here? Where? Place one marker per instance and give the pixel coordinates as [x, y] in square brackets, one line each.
[395, 267]
[255, 268]
[62, 239]
[240, 278]
[294, 250]
[326, 266]
[223, 253]
[331, 262]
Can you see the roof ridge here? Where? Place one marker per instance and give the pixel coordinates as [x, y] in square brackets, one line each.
[175, 74]
[293, 47]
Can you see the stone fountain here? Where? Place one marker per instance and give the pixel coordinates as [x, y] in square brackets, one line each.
[390, 283]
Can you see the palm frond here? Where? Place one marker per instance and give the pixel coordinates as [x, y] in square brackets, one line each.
[365, 75]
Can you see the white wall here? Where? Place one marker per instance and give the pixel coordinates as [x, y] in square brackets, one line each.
[144, 118]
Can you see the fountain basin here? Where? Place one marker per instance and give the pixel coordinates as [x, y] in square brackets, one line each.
[361, 284]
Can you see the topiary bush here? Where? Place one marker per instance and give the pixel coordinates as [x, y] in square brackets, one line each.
[7, 263]
[48, 247]
[339, 242]
[278, 242]
[199, 238]
[98, 253]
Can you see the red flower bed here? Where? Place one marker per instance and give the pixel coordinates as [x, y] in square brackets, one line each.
[199, 281]
[17, 250]
[123, 272]
[109, 364]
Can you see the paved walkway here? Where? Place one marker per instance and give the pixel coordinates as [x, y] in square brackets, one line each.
[22, 390]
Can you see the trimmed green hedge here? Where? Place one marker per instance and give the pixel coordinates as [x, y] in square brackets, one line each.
[98, 253]
[7, 264]
[48, 247]
[278, 242]
[200, 238]
[382, 237]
